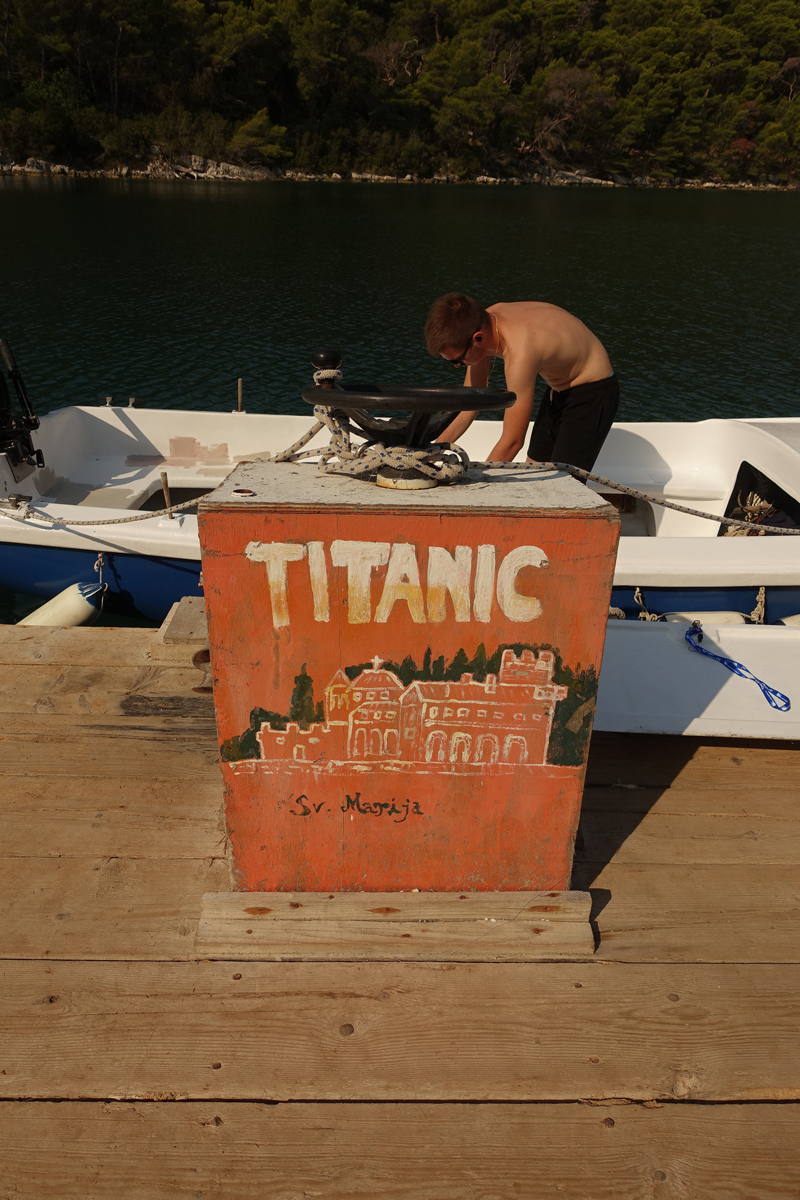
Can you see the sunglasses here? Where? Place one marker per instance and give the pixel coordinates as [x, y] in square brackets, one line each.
[459, 362]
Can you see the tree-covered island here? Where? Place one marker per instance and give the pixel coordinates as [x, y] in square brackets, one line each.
[665, 89]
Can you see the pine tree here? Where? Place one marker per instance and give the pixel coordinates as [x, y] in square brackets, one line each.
[301, 707]
[478, 664]
[458, 666]
[407, 670]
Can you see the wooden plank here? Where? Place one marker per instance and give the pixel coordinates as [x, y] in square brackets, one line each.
[409, 1031]
[50, 727]
[97, 690]
[111, 816]
[96, 831]
[688, 913]
[65, 647]
[385, 926]
[178, 798]
[112, 908]
[685, 838]
[187, 622]
[661, 761]
[67, 690]
[150, 747]
[777, 803]
[183, 633]
[399, 907]
[388, 1151]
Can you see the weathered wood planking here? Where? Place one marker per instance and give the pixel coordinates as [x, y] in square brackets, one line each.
[91, 690]
[59, 816]
[687, 913]
[385, 926]
[686, 838]
[53, 645]
[186, 622]
[155, 796]
[66, 727]
[388, 1151]
[650, 760]
[277, 1031]
[646, 914]
[100, 832]
[183, 632]
[779, 803]
[111, 908]
[144, 746]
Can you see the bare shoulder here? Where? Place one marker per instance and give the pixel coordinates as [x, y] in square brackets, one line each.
[530, 313]
[531, 329]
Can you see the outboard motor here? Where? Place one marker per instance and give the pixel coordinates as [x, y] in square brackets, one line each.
[15, 430]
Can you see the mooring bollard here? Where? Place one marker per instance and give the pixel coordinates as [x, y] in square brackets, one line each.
[404, 680]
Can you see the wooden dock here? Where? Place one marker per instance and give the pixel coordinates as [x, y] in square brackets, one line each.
[668, 1066]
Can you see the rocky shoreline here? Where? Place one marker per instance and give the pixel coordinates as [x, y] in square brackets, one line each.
[195, 167]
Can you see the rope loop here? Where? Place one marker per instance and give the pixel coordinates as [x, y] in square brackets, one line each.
[327, 375]
[773, 697]
[443, 461]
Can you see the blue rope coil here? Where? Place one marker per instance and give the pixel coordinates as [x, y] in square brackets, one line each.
[773, 697]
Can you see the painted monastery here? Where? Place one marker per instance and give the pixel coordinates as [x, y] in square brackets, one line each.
[376, 719]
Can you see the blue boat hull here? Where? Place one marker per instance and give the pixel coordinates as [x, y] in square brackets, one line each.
[780, 601]
[147, 586]
[138, 585]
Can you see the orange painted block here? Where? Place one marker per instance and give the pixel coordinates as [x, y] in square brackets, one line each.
[404, 682]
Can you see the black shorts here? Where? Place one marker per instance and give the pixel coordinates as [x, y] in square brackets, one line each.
[571, 426]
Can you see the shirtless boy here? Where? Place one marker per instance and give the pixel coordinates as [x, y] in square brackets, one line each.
[532, 338]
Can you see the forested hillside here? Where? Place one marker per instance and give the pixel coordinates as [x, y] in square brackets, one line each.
[661, 87]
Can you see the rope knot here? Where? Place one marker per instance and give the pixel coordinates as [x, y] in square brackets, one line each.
[330, 373]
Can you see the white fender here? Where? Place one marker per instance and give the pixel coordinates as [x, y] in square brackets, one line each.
[76, 605]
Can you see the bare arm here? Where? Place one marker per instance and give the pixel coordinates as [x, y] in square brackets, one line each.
[521, 379]
[460, 424]
[476, 376]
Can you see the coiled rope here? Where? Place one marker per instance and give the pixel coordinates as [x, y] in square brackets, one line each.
[443, 461]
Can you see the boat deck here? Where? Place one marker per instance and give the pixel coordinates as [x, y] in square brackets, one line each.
[668, 1066]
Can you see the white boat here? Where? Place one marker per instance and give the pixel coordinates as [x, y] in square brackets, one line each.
[104, 463]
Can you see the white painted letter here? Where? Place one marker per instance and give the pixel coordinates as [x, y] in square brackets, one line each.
[360, 558]
[446, 574]
[515, 606]
[484, 584]
[276, 555]
[402, 583]
[319, 580]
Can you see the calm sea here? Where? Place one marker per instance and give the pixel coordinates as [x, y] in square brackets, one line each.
[171, 291]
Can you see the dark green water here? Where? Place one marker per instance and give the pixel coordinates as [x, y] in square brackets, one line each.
[171, 291]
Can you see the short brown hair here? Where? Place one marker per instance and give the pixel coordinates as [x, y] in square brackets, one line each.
[452, 321]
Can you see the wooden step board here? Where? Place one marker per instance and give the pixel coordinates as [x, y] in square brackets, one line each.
[396, 926]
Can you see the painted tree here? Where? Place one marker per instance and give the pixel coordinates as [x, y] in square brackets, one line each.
[301, 706]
